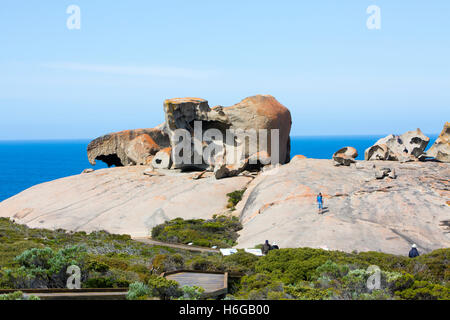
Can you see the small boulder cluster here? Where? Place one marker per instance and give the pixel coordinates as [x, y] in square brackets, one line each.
[407, 147]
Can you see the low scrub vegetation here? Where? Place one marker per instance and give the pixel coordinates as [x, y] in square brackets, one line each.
[221, 231]
[38, 258]
[307, 273]
[17, 295]
[163, 289]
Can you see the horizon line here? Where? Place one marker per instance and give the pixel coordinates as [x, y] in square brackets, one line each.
[291, 136]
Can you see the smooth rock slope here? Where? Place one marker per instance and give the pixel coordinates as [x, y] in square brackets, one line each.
[119, 200]
[362, 213]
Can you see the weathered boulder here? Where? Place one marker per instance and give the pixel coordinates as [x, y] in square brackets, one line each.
[150, 171]
[345, 156]
[130, 147]
[440, 150]
[409, 146]
[224, 170]
[377, 152]
[141, 149]
[163, 160]
[361, 213]
[392, 174]
[380, 173]
[261, 112]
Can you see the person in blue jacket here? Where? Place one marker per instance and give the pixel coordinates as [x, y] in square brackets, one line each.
[413, 252]
[320, 202]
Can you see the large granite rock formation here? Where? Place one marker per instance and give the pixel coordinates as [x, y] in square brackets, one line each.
[119, 200]
[194, 117]
[361, 212]
[253, 113]
[130, 147]
[409, 146]
[440, 150]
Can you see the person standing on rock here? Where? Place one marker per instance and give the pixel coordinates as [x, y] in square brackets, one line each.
[413, 252]
[320, 202]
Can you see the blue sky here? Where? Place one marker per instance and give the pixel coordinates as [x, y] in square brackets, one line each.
[318, 58]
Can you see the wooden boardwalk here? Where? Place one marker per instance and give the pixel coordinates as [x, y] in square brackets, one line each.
[214, 283]
[75, 294]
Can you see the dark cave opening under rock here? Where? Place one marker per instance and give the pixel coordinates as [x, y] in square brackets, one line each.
[110, 160]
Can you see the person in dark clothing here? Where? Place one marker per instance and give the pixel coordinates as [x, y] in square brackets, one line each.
[413, 252]
[275, 246]
[266, 247]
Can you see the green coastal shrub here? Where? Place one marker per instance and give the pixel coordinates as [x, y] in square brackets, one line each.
[241, 262]
[403, 282]
[423, 290]
[332, 270]
[234, 198]
[18, 295]
[164, 288]
[220, 231]
[107, 259]
[45, 267]
[292, 265]
[191, 293]
[433, 266]
[304, 291]
[138, 291]
[46, 261]
[99, 282]
[97, 266]
[261, 286]
[166, 262]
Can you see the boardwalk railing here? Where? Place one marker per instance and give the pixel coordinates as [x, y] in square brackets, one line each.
[73, 294]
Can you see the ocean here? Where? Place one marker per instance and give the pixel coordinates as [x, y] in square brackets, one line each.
[24, 164]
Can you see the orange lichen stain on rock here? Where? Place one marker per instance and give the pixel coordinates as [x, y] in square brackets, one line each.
[299, 157]
[301, 192]
[149, 141]
[185, 99]
[96, 174]
[448, 203]
[160, 198]
[167, 150]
